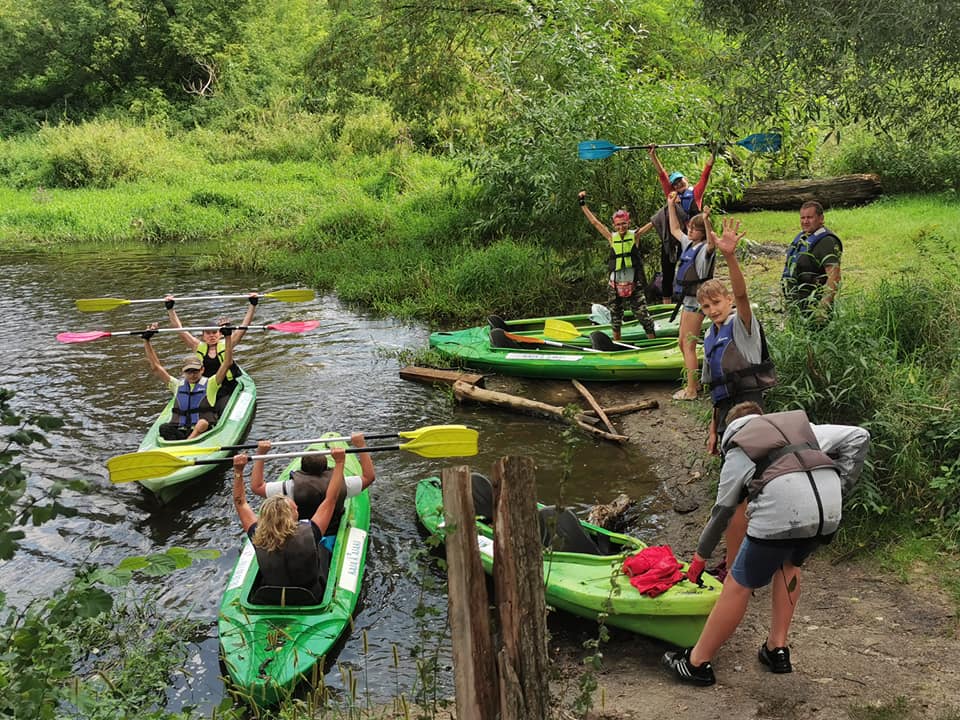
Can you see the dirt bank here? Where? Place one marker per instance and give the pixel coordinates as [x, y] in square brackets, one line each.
[861, 638]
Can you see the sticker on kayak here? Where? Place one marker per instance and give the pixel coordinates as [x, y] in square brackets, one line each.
[243, 565]
[350, 572]
[240, 409]
[486, 545]
[542, 356]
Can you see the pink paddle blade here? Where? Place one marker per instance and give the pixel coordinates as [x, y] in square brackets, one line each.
[81, 337]
[295, 326]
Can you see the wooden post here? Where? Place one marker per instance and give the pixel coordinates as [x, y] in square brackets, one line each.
[474, 668]
[518, 578]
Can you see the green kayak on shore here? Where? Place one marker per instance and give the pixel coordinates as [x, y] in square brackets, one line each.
[664, 323]
[268, 643]
[589, 582]
[492, 350]
[230, 429]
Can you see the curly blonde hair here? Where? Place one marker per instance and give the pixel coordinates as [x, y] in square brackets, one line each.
[275, 523]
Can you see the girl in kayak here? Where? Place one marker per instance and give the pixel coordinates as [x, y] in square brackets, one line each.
[309, 485]
[195, 396]
[211, 346]
[697, 255]
[626, 270]
[290, 551]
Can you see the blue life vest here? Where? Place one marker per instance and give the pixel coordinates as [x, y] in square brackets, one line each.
[730, 373]
[686, 202]
[687, 280]
[801, 267]
[189, 402]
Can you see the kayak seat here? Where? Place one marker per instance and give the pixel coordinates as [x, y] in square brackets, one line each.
[495, 321]
[601, 341]
[283, 596]
[563, 532]
[482, 497]
[499, 339]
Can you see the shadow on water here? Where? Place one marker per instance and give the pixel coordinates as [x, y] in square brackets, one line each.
[335, 378]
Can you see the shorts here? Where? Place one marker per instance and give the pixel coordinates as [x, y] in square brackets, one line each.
[757, 562]
[693, 307]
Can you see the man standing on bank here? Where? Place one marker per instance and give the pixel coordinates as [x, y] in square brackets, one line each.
[811, 274]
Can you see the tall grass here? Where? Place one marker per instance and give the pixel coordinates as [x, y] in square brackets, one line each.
[887, 361]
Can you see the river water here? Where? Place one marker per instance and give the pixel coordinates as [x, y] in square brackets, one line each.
[338, 377]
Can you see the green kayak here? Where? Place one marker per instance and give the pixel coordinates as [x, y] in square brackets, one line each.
[589, 582]
[229, 430]
[491, 350]
[631, 332]
[268, 649]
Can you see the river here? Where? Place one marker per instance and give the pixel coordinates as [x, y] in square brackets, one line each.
[338, 377]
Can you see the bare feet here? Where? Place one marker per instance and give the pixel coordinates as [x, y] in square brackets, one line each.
[685, 394]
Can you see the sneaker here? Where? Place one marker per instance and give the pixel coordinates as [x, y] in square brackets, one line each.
[778, 659]
[677, 663]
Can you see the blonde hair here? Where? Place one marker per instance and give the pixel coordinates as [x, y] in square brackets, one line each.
[711, 290]
[275, 524]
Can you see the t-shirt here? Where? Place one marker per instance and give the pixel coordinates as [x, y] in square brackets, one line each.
[353, 483]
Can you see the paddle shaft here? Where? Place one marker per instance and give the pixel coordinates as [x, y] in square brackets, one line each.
[309, 441]
[523, 339]
[303, 453]
[199, 297]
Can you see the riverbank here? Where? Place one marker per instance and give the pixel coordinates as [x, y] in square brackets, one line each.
[870, 639]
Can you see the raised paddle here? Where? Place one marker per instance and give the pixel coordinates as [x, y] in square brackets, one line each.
[408, 434]
[103, 304]
[294, 326]
[600, 149]
[432, 442]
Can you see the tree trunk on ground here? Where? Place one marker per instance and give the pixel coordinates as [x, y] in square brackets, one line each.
[840, 191]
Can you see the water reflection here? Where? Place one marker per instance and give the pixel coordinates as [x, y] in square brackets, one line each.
[329, 379]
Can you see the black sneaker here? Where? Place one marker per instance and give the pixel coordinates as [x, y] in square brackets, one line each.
[778, 659]
[677, 663]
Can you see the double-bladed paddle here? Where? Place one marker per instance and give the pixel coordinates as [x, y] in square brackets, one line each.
[433, 441]
[563, 330]
[294, 326]
[527, 340]
[103, 304]
[600, 149]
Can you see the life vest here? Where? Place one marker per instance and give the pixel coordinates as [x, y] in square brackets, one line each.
[212, 364]
[687, 202]
[687, 281]
[299, 563]
[621, 251]
[190, 400]
[730, 373]
[784, 443]
[802, 268]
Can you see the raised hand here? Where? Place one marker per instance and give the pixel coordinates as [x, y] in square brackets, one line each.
[727, 242]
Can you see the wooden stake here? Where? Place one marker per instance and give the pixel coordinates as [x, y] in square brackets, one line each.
[594, 404]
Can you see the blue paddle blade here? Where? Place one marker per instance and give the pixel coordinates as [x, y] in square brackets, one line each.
[761, 142]
[596, 149]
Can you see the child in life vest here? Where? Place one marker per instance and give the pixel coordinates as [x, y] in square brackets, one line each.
[626, 280]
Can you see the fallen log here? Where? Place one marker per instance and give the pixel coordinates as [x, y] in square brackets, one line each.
[627, 408]
[843, 190]
[594, 404]
[464, 391]
[435, 376]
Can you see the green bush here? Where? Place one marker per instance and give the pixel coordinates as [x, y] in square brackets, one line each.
[904, 165]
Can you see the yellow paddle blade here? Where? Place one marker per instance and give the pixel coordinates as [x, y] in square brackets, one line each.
[436, 441]
[292, 295]
[144, 465]
[560, 330]
[100, 304]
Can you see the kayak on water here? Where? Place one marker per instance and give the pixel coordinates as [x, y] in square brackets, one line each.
[271, 639]
[587, 580]
[230, 429]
